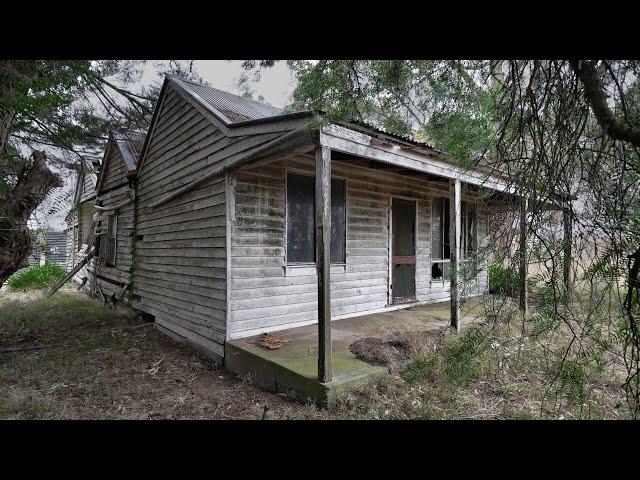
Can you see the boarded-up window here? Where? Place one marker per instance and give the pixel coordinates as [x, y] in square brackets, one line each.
[301, 245]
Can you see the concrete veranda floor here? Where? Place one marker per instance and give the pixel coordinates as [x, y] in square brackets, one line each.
[293, 367]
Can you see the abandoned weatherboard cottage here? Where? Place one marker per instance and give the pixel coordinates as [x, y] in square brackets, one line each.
[241, 220]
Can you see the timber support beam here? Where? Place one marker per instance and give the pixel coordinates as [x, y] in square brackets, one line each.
[455, 190]
[522, 258]
[323, 261]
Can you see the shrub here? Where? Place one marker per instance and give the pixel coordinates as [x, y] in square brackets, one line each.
[35, 277]
[504, 281]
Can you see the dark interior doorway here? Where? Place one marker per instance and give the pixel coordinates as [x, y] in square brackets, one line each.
[403, 250]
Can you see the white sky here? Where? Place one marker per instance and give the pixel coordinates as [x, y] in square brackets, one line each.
[276, 85]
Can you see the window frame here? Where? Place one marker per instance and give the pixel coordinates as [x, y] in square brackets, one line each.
[109, 244]
[464, 259]
[299, 171]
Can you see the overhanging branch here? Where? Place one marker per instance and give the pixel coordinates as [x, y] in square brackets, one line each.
[594, 92]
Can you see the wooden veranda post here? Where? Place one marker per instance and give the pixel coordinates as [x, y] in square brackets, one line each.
[566, 245]
[522, 258]
[323, 260]
[455, 222]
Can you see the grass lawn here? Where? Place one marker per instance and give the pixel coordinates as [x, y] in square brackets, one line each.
[89, 362]
[105, 364]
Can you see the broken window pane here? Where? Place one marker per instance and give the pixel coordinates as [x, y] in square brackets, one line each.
[440, 229]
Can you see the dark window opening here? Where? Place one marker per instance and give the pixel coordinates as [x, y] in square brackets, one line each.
[440, 221]
[301, 214]
[108, 241]
[440, 248]
[338, 221]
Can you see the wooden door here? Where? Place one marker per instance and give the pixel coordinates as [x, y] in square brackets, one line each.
[403, 251]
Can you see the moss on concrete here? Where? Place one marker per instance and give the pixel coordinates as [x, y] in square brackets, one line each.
[294, 366]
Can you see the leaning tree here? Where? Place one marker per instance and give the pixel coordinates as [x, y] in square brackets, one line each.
[56, 114]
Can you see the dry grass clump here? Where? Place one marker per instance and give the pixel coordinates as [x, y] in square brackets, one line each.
[397, 349]
[491, 371]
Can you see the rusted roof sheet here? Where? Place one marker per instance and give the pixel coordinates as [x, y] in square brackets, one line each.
[129, 143]
[233, 107]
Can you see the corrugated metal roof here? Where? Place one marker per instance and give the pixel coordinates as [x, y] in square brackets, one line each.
[233, 107]
[238, 109]
[406, 138]
[130, 143]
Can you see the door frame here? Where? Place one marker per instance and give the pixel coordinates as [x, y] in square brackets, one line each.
[390, 298]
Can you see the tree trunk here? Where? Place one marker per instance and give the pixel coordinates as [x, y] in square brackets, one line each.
[30, 190]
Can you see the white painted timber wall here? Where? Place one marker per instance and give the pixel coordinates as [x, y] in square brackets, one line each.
[180, 260]
[267, 295]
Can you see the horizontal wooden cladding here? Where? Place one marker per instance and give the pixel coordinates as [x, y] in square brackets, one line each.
[209, 156]
[303, 313]
[203, 314]
[180, 258]
[201, 296]
[205, 213]
[121, 271]
[265, 294]
[88, 186]
[199, 336]
[262, 293]
[114, 171]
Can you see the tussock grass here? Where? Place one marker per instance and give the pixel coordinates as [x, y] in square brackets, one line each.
[35, 277]
[492, 371]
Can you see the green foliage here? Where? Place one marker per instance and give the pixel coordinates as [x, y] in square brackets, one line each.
[572, 381]
[459, 359]
[503, 280]
[466, 356]
[35, 277]
[438, 101]
[422, 367]
[40, 93]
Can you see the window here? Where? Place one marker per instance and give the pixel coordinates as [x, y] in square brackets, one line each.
[468, 219]
[469, 243]
[108, 241]
[301, 214]
[440, 248]
[440, 230]
[338, 221]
